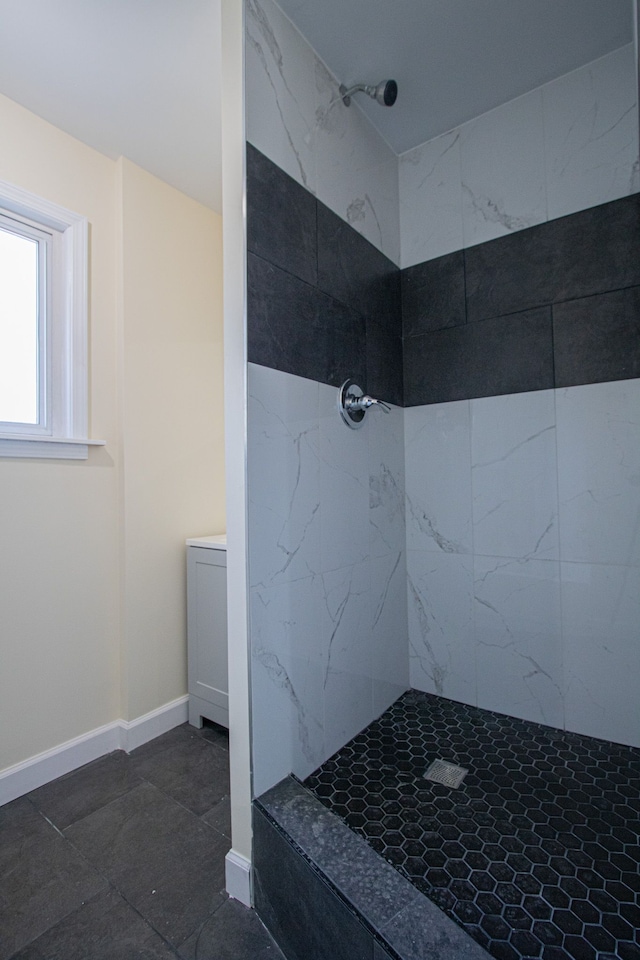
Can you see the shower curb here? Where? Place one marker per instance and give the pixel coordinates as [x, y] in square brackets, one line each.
[380, 910]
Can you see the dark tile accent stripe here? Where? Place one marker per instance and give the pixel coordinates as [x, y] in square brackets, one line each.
[504, 355]
[384, 365]
[353, 271]
[281, 218]
[590, 252]
[597, 338]
[296, 328]
[302, 913]
[323, 302]
[433, 295]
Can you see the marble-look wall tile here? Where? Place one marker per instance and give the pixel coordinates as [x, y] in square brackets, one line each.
[591, 134]
[513, 469]
[386, 482]
[283, 477]
[328, 624]
[518, 638]
[441, 632]
[346, 631]
[569, 145]
[389, 631]
[431, 200]
[296, 117]
[502, 170]
[344, 485]
[601, 618]
[438, 478]
[288, 658]
[357, 172]
[280, 91]
[599, 472]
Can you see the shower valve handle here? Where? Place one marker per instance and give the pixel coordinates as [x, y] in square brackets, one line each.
[363, 403]
[353, 403]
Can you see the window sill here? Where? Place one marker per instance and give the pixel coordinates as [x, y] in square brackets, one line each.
[22, 446]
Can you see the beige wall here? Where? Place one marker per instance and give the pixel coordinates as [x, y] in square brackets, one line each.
[92, 612]
[172, 425]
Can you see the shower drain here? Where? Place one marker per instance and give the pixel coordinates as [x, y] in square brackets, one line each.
[446, 773]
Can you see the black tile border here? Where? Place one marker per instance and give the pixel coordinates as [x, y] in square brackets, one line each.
[551, 306]
[402, 920]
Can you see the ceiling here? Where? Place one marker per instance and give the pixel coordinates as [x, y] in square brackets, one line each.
[455, 59]
[133, 77]
[142, 77]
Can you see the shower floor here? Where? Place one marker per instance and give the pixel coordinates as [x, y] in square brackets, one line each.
[535, 855]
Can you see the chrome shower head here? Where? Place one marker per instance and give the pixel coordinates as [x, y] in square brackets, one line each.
[385, 92]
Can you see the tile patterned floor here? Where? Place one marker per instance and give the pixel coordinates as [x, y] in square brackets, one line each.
[536, 854]
[124, 860]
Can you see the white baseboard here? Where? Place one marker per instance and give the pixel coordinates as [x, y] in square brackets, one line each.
[136, 732]
[238, 877]
[125, 735]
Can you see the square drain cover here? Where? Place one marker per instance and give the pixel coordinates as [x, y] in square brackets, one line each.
[446, 773]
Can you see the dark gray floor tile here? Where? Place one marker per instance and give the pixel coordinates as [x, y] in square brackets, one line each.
[304, 915]
[76, 795]
[232, 933]
[107, 928]
[590, 252]
[504, 355]
[186, 767]
[163, 859]
[379, 953]
[597, 339]
[281, 218]
[42, 878]
[219, 817]
[433, 295]
[214, 733]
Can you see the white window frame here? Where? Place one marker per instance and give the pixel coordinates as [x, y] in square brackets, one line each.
[63, 435]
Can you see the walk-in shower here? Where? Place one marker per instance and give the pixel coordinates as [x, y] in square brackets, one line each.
[457, 579]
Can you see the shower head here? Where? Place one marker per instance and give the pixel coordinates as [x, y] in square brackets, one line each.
[384, 92]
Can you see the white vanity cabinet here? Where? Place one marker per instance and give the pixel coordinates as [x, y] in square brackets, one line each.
[207, 630]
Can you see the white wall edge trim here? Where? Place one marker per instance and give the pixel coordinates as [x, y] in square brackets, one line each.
[238, 877]
[34, 772]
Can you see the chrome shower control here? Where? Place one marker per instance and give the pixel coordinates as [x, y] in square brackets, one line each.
[353, 403]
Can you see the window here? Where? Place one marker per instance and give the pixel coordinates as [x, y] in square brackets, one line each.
[43, 328]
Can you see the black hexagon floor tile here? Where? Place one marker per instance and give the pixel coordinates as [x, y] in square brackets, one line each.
[536, 854]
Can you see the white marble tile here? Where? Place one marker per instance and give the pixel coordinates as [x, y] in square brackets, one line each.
[513, 465]
[283, 476]
[431, 200]
[280, 91]
[599, 472]
[438, 477]
[503, 175]
[518, 638]
[344, 487]
[357, 172]
[387, 483]
[591, 134]
[388, 636]
[601, 625]
[346, 629]
[287, 680]
[441, 638]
